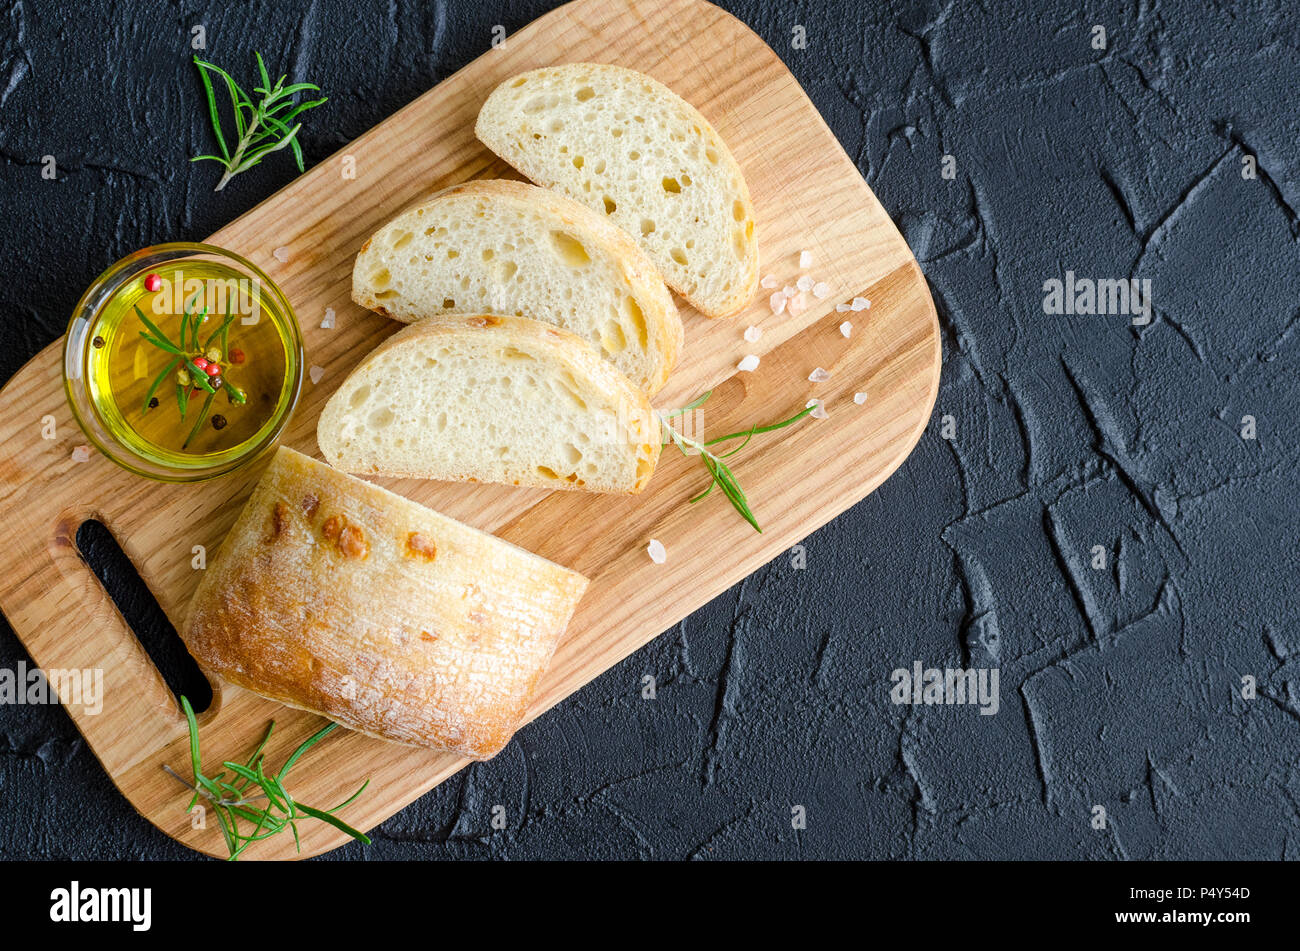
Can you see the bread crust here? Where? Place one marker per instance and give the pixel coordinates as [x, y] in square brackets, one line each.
[490, 130]
[343, 599]
[663, 324]
[641, 434]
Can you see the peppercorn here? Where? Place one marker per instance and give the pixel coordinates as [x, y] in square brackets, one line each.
[97, 343]
[215, 382]
[153, 402]
[152, 282]
[201, 363]
[236, 355]
[218, 421]
[213, 355]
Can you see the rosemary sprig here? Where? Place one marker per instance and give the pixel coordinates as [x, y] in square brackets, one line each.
[233, 801]
[721, 473]
[263, 126]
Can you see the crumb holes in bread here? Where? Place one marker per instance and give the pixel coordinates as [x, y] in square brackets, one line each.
[508, 270]
[578, 161]
[448, 303]
[679, 256]
[546, 472]
[610, 205]
[671, 186]
[585, 93]
[569, 249]
[359, 396]
[612, 339]
[380, 418]
[403, 240]
[381, 277]
[647, 226]
[635, 314]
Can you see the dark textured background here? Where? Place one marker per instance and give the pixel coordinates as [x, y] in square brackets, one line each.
[1119, 687]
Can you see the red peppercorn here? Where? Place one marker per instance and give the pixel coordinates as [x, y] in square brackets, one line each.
[152, 282]
[212, 369]
[201, 362]
[236, 355]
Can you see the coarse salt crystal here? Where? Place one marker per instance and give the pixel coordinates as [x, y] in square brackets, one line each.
[777, 302]
[328, 322]
[281, 254]
[316, 373]
[859, 398]
[658, 554]
[747, 363]
[805, 283]
[81, 454]
[753, 333]
[819, 411]
[846, 328]
[789, 291]
[860, 303]
[797, 305]
[819, 375]
[805, 259]
[843, 307]
[821, 290]
[769, 282]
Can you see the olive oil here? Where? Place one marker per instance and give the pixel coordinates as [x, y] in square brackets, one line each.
[138, 389]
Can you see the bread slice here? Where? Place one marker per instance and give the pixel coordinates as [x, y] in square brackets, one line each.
[513, 249]
[492, 399]
[628, 147]
[338, 597]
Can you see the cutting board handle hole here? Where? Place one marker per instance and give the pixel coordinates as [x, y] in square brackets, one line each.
[115, 571]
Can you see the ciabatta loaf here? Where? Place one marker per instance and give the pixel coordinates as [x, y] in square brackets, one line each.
[338, 597]
[492, 399]
[513, 249]
[631, 149]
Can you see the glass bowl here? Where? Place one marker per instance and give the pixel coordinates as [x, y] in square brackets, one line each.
[104, 325]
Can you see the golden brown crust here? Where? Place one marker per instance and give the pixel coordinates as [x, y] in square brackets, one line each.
[338, 597]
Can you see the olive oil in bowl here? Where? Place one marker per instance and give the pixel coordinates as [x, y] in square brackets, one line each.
[183, 362]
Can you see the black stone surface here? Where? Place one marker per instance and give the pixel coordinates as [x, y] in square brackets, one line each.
[1119, 687]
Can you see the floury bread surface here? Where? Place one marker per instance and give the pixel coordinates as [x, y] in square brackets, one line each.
[341, 598]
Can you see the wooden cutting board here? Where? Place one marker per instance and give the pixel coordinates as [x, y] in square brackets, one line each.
[807, 195]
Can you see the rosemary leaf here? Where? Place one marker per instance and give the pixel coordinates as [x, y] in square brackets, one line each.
[722, 476]
[158, 381]
[231, 801]
[203, 414]
[266, 126]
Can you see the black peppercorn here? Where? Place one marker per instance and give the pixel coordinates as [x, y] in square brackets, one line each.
[153, 402]
[97, 343]
[218, 421]
[215, 382]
